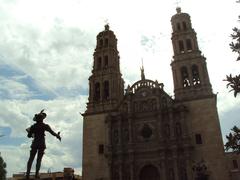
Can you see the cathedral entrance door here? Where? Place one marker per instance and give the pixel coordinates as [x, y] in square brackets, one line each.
[149, 172]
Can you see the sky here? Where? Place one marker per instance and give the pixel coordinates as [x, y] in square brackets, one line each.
[46, 57]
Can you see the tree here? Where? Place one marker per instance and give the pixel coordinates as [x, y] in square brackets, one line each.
[233, 140]
[234, 81]
[3, 171]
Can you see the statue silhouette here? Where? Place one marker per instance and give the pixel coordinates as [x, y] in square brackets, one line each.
[37, 132]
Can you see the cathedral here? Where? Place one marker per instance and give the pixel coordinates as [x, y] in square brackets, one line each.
[140, 132]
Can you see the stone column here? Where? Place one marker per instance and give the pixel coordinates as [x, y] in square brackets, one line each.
[131, 171]
[175, 165]
[131, 162]
[188, 165]
[160, 125]
[130, 129]
[163, 169]
[108, 123]
[120, 130]
[171, 124]
[120, 171]
[184, 124]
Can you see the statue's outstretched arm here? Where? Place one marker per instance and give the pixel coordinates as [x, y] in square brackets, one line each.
[53, 133]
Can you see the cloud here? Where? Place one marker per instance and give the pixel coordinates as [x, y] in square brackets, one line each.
[13, 90]
[17, 85]
[50, 57]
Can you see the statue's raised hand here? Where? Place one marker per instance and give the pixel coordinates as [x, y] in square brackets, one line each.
[58, 136]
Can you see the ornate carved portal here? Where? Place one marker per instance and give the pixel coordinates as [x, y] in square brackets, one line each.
[149, 172]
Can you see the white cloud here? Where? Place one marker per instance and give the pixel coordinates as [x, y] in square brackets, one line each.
[13, 89]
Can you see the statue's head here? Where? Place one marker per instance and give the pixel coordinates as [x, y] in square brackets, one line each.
[40, 116]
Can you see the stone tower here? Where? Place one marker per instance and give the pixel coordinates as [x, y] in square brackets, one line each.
[106, 86]
[192, 89]
[106, 89]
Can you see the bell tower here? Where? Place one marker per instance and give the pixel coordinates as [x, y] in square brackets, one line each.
[193, 90]
[189, 67]
[106, 89]
[106, 86]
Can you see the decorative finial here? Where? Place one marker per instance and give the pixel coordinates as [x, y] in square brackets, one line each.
[178, 9]
[128, 89]
[106, 25]
[142, 71]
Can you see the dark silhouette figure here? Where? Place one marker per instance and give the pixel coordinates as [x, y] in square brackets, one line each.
[37, 132]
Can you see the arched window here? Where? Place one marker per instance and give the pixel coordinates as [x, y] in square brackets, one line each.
[115, 137]
[185, 77]
[101, 43]
[195, 75]
[105, 61]
[149, 172]
[184, 25]
[167, 130]
[125, 107]
[97, 91]
[106, 42]
[154, 104]
[181, 46]
[99, 63]
[136, 108]
[178, 26]
[125, 135]
[189, 44]
[106, 90]
[164, 102]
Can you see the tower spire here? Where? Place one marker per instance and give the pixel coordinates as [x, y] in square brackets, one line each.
[142, 72]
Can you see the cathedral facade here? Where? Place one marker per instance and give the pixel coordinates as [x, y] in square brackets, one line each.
[142, 133]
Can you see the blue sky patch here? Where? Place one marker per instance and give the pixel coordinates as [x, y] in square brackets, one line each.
[7, 140]
[10, 73]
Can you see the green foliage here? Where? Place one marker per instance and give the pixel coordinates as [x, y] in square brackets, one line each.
[235, 45]
[233, 83]
[3, 171]
[233, 140]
